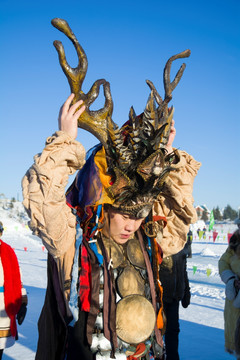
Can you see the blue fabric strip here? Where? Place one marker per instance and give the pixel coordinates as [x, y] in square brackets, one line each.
[149, 249]
[73, 302]
[95, 250]
[1, 289]
[93, 244]
[99, 208]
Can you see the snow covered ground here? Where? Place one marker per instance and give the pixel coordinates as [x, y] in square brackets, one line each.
[202, 334]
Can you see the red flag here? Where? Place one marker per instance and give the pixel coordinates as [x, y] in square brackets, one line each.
[215, 234]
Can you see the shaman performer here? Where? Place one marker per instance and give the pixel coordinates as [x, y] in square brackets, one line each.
[130, 202]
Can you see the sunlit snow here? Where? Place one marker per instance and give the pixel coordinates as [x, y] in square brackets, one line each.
[201, 336]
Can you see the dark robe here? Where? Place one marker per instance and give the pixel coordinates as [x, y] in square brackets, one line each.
[52, 325]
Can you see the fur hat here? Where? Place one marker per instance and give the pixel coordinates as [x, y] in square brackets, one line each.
[237, 221]
[234, 240]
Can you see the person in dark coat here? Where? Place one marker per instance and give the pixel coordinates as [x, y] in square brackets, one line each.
[175, 283]
[189, 242]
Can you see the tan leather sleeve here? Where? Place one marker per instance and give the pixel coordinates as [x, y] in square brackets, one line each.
[44, 192]
[176, 204]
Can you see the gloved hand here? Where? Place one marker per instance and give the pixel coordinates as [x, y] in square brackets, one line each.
[186, 298]
[21, 313]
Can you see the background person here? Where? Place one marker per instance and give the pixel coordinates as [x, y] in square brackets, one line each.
[189, 241]
[174, 278]
[13, 297]
[229, 270]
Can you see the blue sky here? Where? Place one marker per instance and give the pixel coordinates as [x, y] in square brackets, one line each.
[126, 43]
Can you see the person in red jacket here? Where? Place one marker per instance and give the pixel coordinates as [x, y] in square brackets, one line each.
[13, 297]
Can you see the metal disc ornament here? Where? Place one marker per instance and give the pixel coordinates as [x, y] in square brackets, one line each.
[135, 319]
[130, 282]
[134, 253]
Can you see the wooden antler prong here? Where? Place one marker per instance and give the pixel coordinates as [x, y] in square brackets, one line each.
[94, 91]
[168, 85]
[156, 94]
[97, 121]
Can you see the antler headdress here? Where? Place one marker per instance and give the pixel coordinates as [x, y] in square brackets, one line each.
[136, 160]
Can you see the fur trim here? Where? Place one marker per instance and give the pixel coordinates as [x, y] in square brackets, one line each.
[237, 338]
[234, 240]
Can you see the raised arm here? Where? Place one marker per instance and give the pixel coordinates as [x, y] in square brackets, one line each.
[44, 183]
[176, 201]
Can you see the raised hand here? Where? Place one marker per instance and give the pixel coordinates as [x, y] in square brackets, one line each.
[171, 137]
[68, 116]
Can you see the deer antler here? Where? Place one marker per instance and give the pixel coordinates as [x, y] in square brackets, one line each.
[163, 114]
[97, 122]
[168, 85]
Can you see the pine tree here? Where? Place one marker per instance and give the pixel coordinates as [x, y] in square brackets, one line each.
[204, 216]
[217, 214]
[229, 213]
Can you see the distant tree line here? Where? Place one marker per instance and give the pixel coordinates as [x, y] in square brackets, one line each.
[228, 213]
[205, 216]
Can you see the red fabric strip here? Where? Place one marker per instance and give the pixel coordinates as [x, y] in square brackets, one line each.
[85, 280]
